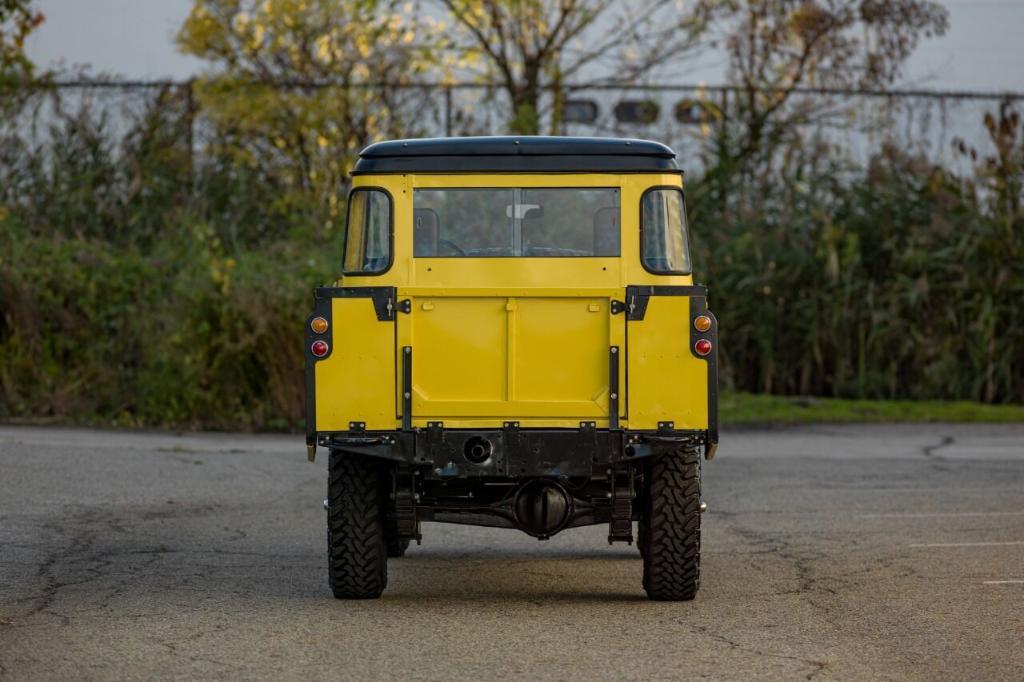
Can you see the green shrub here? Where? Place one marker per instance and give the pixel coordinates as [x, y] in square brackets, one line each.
[182, 335]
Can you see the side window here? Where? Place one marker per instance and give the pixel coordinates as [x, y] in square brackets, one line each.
[664, 242]
[367, 233]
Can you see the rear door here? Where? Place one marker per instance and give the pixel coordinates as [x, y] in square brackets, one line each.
[511, 355]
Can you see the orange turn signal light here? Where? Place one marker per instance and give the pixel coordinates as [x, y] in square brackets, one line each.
[702, 323]
[318, 325]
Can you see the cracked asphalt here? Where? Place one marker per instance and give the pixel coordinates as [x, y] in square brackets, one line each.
[830, 552]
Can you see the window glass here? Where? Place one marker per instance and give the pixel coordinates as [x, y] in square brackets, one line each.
[529, 222]
[664, 232]
[462, 222]
[367, 233]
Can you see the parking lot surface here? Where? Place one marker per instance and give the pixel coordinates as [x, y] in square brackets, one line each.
[830, 552]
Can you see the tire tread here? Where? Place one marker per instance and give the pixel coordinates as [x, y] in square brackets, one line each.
[672, 533]
[356, 553]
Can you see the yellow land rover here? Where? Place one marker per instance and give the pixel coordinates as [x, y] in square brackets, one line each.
[515, 341]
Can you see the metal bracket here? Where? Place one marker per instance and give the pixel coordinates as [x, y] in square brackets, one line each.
[618, 307]
[510, 436]
[435, 434]
[613, 387]
[666, 427]
[407, 388]
[638, 296]
[405, 306]
[637, 304]
[357, 427]
[383, 298]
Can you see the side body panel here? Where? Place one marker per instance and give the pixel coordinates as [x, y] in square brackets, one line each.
[356, 381]
[667, 382]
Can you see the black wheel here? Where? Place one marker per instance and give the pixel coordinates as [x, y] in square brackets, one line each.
[670, 525]
[356, 552]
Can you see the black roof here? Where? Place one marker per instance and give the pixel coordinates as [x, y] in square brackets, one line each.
[514, 154]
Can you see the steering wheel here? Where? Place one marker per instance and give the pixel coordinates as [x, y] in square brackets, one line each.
[453, 246]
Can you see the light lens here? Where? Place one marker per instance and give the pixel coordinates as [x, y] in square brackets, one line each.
[318, 325]
[702, 323]
[703, 347]
[319, 348]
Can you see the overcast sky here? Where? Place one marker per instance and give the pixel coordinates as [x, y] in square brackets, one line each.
[984, 49]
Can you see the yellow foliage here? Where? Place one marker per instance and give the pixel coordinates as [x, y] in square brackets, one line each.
[308, 137]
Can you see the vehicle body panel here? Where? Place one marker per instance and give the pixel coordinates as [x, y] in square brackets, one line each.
[365, 359]
[513, 338]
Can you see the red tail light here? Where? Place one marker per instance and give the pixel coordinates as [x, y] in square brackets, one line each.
[702, 347]
[319, 348]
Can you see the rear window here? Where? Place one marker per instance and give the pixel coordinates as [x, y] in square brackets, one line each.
[516, 222]
[663, 232]
[367, 248]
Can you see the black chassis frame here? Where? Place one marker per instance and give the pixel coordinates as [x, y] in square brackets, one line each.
[433, 479]
[515, 452]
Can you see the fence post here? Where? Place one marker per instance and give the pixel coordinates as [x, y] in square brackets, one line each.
[448, 111]
[190, 116]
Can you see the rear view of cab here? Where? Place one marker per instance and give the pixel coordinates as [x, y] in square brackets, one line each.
[516, 341]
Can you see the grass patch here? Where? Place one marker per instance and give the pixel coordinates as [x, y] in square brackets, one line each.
[748, 408]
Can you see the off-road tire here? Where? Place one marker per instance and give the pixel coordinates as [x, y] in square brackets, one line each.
[671, 525]
[356, 551]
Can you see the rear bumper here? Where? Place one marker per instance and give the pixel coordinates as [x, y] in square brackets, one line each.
[510, 452]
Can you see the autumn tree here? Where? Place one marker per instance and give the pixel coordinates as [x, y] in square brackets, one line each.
[533, 46]
[17, 21]
[297, 87]
[777, 47]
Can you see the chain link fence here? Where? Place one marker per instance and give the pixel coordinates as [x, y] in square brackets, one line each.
[857, 123]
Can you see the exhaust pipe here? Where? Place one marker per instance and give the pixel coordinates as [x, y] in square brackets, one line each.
[541, 507]
[477, 450]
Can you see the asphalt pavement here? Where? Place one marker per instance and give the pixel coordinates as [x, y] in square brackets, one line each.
[830, 552]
